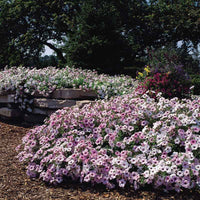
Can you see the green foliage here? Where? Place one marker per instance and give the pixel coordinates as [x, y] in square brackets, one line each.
[165, 58]
[26, 26]
[162, 59]
[97, 40]
[47, 61]
[105, 35]
[179, 20]
[114, 35]
[195, 79]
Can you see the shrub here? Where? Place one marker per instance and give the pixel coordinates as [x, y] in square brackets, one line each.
[163, 59]
[169, 84]
[195, 81]
[172, 56]
[165, 75]
[124, 140]
[169, 64]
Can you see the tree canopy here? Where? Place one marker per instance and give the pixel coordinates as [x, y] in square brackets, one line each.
[26, 26]
[100, 34]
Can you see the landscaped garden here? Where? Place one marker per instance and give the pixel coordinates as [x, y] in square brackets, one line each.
[99, 100]
[138, 133]
[127, 139]
[44, 81]
[143, 138]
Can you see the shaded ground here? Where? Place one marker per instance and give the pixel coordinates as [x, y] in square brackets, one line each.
[15, 185]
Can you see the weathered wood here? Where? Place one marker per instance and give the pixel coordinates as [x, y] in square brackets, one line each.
[7, 98]
[80, 104]
[53, 103]
[40, 111]
[7, 112]
[73, 94]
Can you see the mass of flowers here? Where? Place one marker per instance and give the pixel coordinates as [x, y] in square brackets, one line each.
[45, 81]
[125, 140]
[141, 76]
[171, 81]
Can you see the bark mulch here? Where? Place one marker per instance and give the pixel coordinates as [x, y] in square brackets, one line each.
[15, 185]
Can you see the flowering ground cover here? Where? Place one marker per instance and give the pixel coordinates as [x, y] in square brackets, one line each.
[125, 140]
[14, 183]
[45, 81]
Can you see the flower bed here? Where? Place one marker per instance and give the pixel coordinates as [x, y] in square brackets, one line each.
[127, 139]
[21, 88]
[44, 81]
[172, 82]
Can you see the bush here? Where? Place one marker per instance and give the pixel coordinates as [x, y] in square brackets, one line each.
[170, 84]
[165, 74]
[168, 57]
[195, 81]
[124, 140]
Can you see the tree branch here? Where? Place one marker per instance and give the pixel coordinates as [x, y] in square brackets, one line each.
[58, 51]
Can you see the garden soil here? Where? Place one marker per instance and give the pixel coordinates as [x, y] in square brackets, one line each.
[15, 184]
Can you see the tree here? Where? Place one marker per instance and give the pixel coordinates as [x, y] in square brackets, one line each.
[177, 19]
[110, 35]
[105, 35]
[100, 37]
[26, 26]
[48, 61]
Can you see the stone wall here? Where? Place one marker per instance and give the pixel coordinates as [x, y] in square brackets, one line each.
[43, 107]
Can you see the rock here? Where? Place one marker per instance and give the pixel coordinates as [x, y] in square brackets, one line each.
[40, 111]
[7, 112]
[7, 98]
[80, 104]
[73, 94]
[53, 103]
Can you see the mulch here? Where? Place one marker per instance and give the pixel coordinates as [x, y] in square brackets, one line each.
[15, 184]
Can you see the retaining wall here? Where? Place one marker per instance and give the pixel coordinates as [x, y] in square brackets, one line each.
[43, 107]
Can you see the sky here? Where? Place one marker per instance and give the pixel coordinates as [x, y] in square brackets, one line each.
[48, 51]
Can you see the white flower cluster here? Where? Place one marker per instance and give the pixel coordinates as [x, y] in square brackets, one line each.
[128, 139]
[44, 81]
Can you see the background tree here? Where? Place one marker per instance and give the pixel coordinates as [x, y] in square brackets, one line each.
[26, 26]
[101, 36]
[105, 35]
[175, 20]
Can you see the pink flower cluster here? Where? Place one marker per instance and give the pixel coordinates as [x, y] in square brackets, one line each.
[166, 83]
[128, 139]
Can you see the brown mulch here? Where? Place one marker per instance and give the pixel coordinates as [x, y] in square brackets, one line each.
[15, 185]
